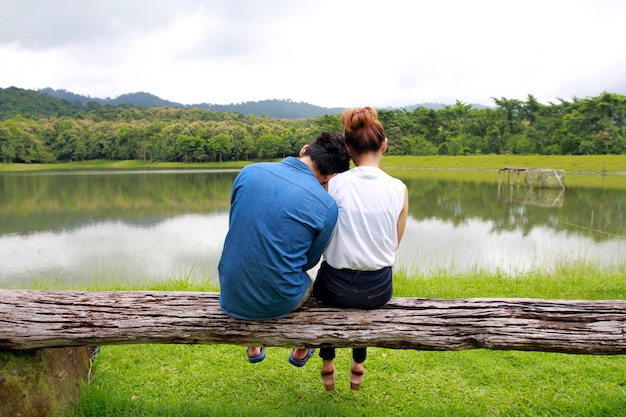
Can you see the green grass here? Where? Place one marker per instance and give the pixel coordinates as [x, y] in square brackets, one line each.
[98, 165]
[177, 380]
[568, 281]
[477, 168]
[610, 164]
[216, 380]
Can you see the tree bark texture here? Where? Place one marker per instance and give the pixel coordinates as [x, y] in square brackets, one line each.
[37, 319]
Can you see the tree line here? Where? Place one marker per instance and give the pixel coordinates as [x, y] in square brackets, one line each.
[585, 126]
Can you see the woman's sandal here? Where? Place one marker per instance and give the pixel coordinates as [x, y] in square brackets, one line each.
[328, 378]
[355, 379]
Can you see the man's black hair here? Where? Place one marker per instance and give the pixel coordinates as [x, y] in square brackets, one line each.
[328, 153]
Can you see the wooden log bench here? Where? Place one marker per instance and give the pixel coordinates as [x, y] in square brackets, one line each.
[50, 329]
[32, 319]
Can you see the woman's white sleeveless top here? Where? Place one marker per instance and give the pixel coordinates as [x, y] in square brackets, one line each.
[366, 235]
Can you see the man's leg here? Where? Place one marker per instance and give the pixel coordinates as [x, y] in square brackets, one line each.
[303, 354]
[255, 353]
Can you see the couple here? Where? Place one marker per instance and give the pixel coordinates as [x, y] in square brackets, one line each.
[285, 215]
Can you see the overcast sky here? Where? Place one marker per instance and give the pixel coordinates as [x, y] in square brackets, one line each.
[331, 53]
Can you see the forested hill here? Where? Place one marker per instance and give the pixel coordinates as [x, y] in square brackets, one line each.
[48, 102]
[279, 109]
[37, 128]
[282, 109]
[31, 104]
[56, 103]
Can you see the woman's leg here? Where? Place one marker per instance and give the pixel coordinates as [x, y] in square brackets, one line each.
[357, 370]
[359, 355]
[328, 368]
[356, 289]
[327, 353]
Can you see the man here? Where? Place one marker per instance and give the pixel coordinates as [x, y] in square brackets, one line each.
[281, 219]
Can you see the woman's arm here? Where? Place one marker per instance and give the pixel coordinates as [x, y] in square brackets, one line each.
[404, 215]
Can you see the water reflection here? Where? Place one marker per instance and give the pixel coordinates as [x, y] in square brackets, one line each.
[185, 246]
[433, 246]
[189, 246]
[129, 227]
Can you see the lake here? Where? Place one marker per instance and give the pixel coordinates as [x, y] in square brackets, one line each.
[77, 228]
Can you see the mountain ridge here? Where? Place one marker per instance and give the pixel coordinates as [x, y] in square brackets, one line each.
[48, 101]
[151, 100]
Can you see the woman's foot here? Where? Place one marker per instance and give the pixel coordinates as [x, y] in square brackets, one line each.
[328, 375]
[356, 376]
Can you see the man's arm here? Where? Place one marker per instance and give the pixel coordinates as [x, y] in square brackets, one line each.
[323, 237]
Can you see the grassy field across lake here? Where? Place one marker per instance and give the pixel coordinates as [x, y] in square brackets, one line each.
[579, 164]
[585, 164]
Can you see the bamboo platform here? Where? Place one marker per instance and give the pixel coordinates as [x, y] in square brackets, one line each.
[533, 177]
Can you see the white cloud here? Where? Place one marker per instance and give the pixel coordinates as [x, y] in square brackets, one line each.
[329, 53]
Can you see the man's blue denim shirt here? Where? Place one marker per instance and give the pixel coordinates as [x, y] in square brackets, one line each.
[281, 220]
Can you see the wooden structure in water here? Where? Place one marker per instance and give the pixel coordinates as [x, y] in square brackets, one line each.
[31, 319]
[533, 177]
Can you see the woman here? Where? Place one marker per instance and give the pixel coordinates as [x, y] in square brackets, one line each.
[373, 210]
